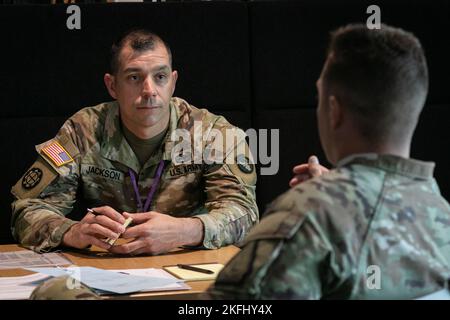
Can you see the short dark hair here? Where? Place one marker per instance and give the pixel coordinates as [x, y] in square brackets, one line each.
[139, 40]
[381, 75]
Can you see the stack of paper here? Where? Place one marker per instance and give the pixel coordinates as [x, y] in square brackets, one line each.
[157, 273]
[108, 281]
[17, 288]
[28, 258]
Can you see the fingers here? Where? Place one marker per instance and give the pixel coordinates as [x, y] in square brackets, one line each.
[78, 237]
[98, 231]
[293, 182]
[299, 179]
[110, 224]
[324, 170]
[301, 168]
[307, 171]
[139, 218]
[104, 220]
[144, 250]
[129, 247]
[111, 213]
[127, 215]
[88, 218]
[97, 242]
[314, 166]
[135, 232]
[83, 234]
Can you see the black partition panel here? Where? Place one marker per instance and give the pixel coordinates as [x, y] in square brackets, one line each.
[56, 70]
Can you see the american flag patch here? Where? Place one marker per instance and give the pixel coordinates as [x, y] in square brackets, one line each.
[56, 152]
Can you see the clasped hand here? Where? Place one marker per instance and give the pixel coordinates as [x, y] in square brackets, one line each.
[152, 232]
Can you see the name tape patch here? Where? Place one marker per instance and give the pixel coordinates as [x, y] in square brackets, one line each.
[111, 174]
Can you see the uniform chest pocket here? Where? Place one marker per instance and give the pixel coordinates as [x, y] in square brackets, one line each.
[98, 191]
[182, 194]
[101, 182]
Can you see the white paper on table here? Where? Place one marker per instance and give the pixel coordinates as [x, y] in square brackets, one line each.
[157, 273]
[110, 281]
[17, 288]
[28, 258]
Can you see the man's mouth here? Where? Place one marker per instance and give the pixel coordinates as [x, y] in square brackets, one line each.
[147, 107]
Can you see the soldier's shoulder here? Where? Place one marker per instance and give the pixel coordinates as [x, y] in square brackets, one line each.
[86, 127]
[78, 134]
[326, 200]
[314, 193]
[196, 113]
[343, 185]
[282, 218]
[92, 115]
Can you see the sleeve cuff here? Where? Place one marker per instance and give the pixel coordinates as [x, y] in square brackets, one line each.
[56, 236]
[210, 231]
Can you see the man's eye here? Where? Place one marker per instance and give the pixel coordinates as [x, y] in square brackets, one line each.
[133, 77]
[161, 76]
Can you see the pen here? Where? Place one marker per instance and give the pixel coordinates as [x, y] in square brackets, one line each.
[92, 211]
[111, 241]
[188, 267]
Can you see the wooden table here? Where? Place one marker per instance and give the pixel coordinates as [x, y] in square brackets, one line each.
[96, 257]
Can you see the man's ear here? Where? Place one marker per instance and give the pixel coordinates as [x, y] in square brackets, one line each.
[110, 84]
[336, 113]
[175, 78]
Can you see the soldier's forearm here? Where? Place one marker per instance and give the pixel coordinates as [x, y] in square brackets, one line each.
[36, 226]
[227, 223]
[45, 234]
[192, 232]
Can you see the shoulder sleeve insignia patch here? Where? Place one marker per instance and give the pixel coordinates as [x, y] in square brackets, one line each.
[35, 180]
[244, 164]
[31, 178]
[243, 169]
[57, 154]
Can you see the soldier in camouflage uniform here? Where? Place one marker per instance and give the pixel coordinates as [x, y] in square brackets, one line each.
[119, 158]
[376, 227]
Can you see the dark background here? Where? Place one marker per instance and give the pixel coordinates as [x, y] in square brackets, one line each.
[254, 62]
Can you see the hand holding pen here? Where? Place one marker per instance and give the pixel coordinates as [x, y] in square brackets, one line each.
[112, 240]
[99, 223]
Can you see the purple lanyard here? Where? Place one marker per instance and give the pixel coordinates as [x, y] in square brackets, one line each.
[152, 189]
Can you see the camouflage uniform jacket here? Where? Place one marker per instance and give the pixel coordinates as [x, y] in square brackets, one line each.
[376, 227]
[222, 196]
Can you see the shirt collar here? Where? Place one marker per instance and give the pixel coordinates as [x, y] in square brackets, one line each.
[395, 164]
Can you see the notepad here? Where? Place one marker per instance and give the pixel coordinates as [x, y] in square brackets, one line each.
[189, 275]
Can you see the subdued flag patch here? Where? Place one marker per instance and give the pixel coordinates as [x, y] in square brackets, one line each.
[56, 152]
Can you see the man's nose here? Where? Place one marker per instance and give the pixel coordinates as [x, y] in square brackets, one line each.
[148, 88]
